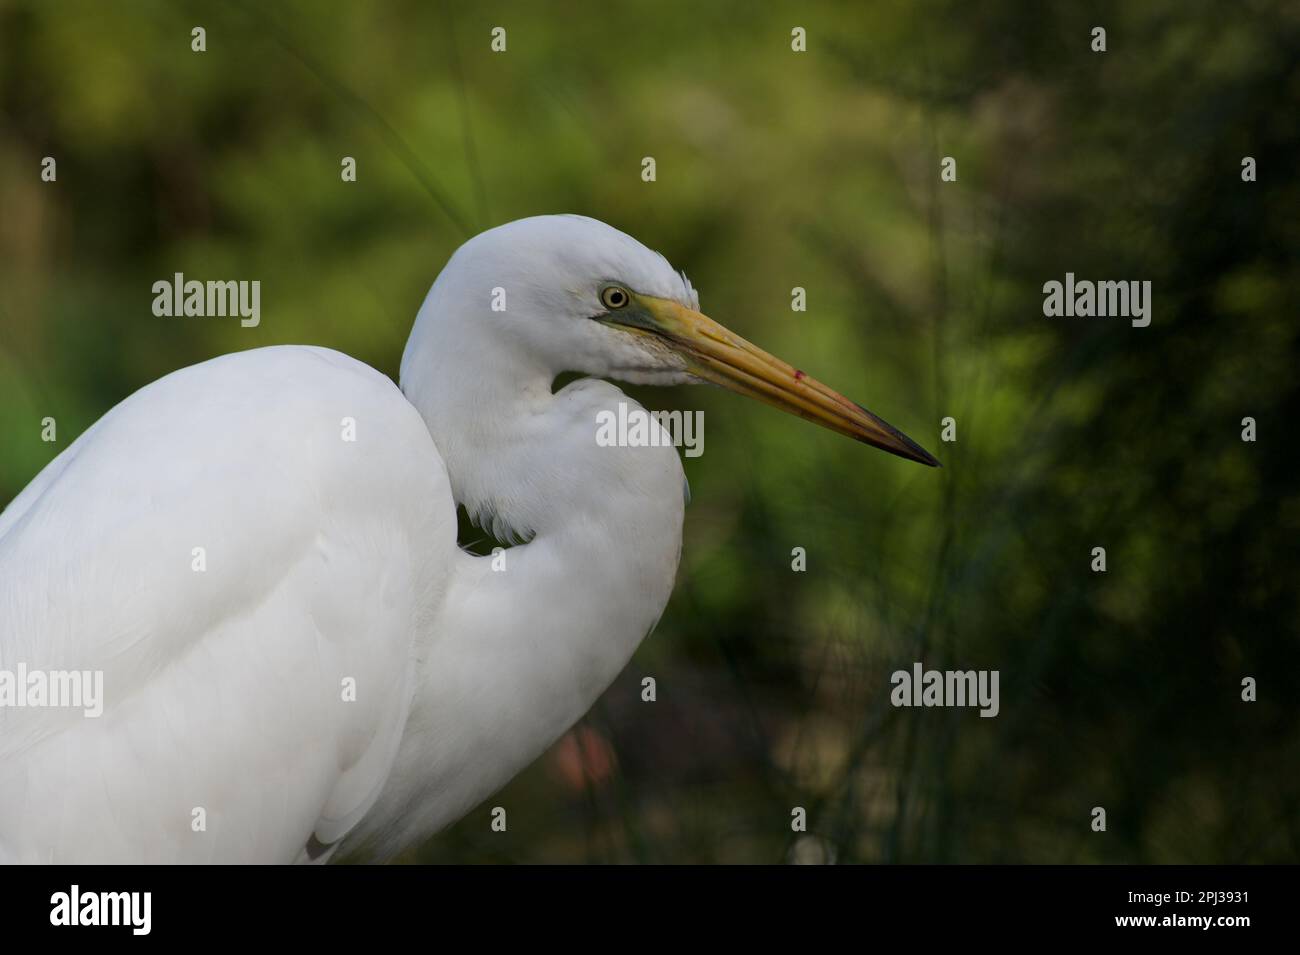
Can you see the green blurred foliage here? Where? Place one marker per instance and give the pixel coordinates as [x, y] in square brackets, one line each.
[778, 169]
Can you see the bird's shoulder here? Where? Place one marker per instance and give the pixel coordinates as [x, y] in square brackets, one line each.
[253, 537]
[199, 495]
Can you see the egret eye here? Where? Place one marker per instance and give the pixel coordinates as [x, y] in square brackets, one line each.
[612, 296]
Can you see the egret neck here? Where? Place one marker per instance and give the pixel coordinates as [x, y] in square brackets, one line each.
[525, 643]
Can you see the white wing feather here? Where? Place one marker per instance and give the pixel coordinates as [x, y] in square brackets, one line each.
[224, 689]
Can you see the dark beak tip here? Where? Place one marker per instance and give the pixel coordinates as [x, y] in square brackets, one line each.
[910, 450]
[913, 451]
[922, 456]
[927, 458]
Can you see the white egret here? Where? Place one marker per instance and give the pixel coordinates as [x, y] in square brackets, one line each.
[296, 655]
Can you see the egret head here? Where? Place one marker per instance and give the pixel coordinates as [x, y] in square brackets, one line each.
[569, 293]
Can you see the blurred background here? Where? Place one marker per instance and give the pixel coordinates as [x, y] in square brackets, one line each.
[778, 169]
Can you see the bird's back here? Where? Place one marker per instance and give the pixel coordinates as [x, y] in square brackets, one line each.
[245, 550]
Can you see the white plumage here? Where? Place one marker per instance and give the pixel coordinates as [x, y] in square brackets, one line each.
[332, 560]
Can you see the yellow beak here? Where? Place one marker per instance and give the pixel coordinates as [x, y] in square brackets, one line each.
[724, 358]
